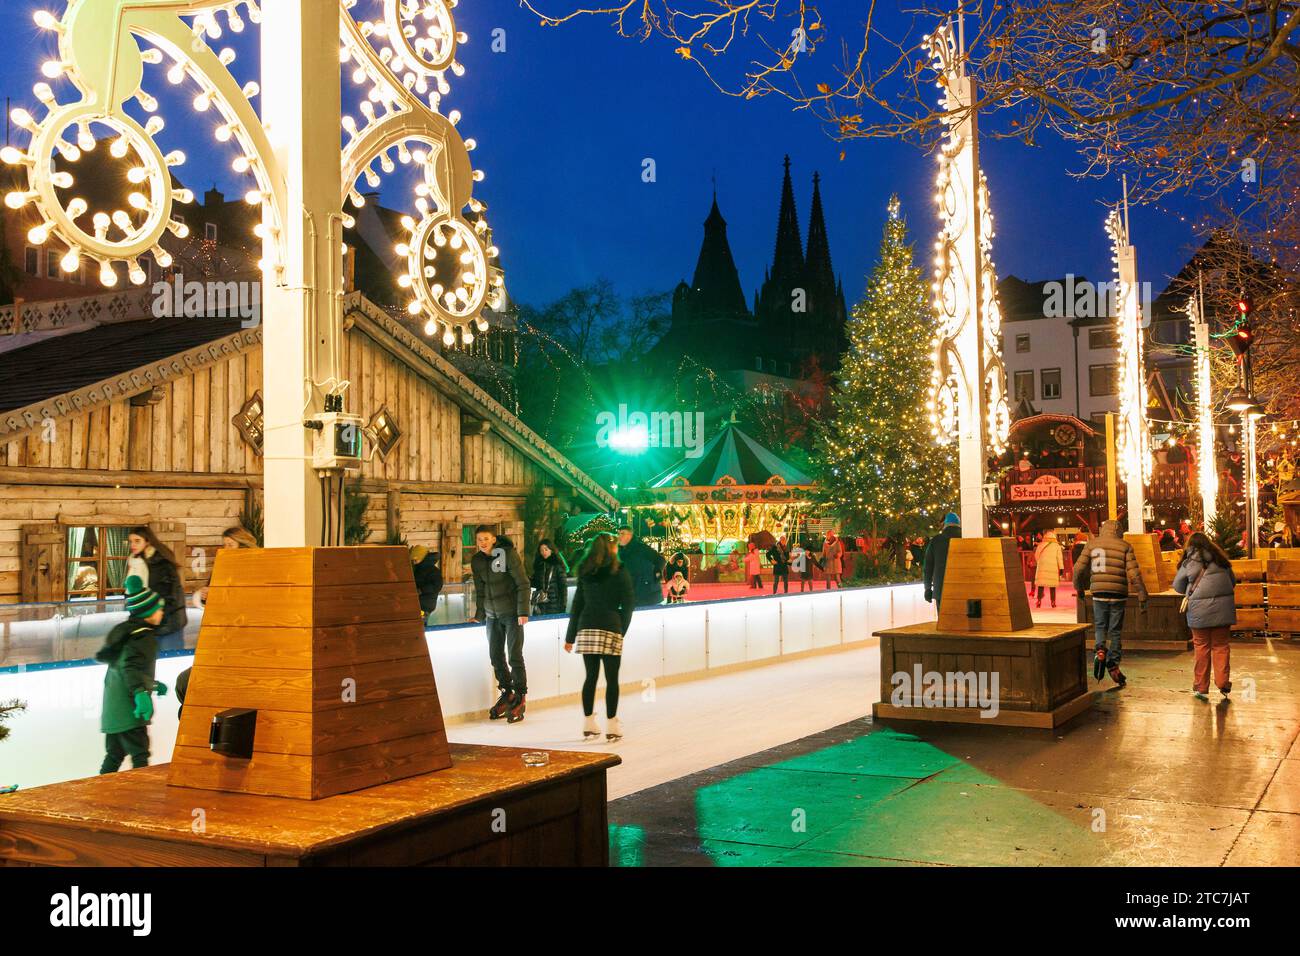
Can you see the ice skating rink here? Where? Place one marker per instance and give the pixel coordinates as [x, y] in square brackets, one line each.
[677, 728]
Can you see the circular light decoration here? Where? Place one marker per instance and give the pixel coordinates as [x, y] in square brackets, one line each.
[452, 270]
[107, 76]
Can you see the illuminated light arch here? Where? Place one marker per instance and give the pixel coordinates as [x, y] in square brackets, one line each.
[152, 32]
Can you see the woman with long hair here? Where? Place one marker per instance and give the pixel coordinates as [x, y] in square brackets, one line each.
[550, 579]
[1205, 577]
[238, 537]
[155, 565]
[602, 611]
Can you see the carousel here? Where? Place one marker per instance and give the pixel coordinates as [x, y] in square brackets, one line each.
[731, 491]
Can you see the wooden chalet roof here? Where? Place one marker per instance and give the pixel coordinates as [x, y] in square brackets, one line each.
[71, 373]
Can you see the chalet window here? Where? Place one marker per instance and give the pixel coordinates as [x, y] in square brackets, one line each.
[1024, 385]
[383, 431]
[1022, 342]
[1051, 378]
[32, 261]
[1102, 379]
[250, 422]
[96, 562]
[210, 231]
[1102, 338]
[52, 270]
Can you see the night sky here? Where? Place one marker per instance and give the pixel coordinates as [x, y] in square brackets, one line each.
[565, 117]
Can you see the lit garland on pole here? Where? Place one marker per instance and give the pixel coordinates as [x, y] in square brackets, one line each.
[968, 394]
[1133, 441]
[1207, 470]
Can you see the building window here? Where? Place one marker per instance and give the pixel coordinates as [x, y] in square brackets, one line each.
[210, 231]
[1098, 420]
[1102, 338]
[1022, 342]
[758, 362]
[1102, 379]
[32, 261]
[1051, 383]
[96, 562]
[52, 270]
[1024, 385]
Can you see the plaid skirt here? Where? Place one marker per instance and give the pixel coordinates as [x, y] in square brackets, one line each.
[594, 641]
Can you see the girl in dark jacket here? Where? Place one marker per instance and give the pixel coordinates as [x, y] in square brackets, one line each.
[155, 565]
[1205, 576]
[550, 580]
[602, 611]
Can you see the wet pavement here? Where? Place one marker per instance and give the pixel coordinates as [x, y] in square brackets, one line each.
[1149, 776]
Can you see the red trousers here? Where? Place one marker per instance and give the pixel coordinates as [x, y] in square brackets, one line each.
[1211, 642]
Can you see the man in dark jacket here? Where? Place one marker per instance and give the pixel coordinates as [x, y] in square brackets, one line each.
[779, 555]
[428, 579]
[646, 566]
[502, 595]
[936, 559]
[1108, 568]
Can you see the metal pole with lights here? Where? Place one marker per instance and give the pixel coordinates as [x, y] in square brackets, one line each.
[1134, 440]
[1242, 400]
[302, 170]
[1207, 470]
[968, 391]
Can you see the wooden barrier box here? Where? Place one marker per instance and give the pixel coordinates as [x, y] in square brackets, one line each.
[557, 817]
[1041, 673]
[1161, 627]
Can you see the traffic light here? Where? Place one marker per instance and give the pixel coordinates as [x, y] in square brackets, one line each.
[1240, 340]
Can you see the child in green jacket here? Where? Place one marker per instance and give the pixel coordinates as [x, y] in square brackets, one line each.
[130, 650]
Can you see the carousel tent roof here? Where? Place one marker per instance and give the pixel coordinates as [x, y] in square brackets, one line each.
[731, 452]
[1050, 418]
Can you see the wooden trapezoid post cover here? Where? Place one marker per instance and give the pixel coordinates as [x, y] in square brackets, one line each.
[328, 646]
[984, 570]
[1157, 575]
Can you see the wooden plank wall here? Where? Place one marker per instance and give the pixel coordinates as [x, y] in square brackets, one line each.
[205, 513]
[189, 431]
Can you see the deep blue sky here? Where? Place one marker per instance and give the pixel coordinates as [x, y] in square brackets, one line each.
[565, 117]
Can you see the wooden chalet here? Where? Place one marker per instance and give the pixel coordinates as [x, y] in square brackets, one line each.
[111, 418]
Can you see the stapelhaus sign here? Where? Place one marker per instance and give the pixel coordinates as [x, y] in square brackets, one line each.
[1050, 488]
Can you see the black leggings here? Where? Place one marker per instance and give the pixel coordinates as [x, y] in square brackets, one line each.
[592, 663]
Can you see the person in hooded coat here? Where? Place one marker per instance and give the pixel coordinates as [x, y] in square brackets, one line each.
[550, 580]
[1049, 566]
[1205, 577]
[936, 559]
[428, 579]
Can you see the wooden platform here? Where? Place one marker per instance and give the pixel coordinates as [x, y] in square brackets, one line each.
[1041, 673]
[1161, 627]
[487, 809]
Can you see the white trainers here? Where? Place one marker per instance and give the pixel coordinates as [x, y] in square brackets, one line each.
[590, 729]
[614, 729]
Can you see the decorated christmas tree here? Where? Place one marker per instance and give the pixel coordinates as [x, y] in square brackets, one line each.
[878, 469]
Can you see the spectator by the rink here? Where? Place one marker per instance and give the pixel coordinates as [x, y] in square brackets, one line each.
[602, 610]
[753, 567]
[832, 562]
[155, 565]
[550, 579]
[1108, 569]
[679, 564]
[1205, 577]
[678, 588]
[644, 564]
[779, 555]
[936, 559]
[428, 580]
